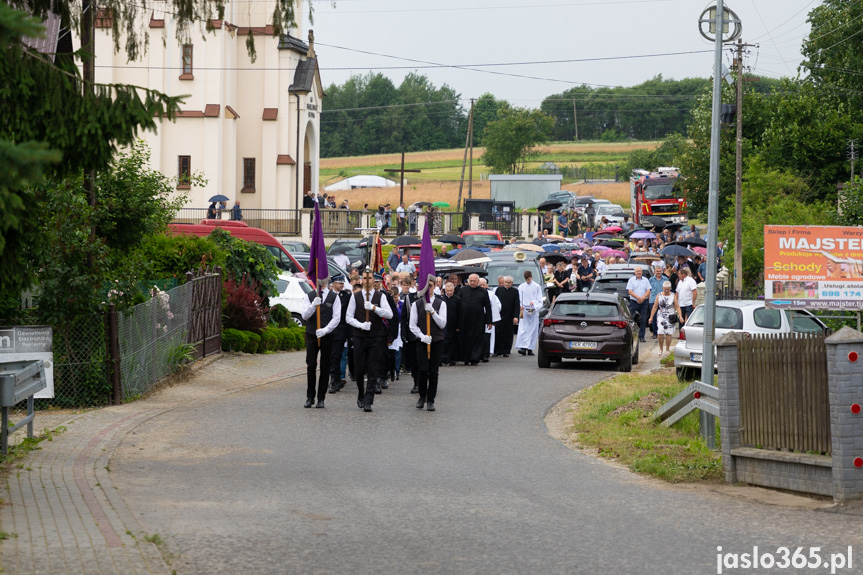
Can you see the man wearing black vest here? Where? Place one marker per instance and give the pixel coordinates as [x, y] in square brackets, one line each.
[391, 333]
[366, 311]
[428, 318]
[409, 352]
[320, 340]
[340, 335]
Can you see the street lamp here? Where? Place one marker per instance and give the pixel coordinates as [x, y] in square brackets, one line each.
[718, 19]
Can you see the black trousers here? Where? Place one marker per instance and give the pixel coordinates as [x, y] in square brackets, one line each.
[326, 351]
[486, 345]
[336, 359]
[428, 368]
[503, 336]
[409, 358]
[368, 361]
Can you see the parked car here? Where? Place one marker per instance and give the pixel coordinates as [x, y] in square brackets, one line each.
[562, 196]
[295, 246]
[504, 263]
[611, 212]
[331, 264]
[352, 249]
[579, 204]
[629, 268]
[614, 282]
[293, 294]
[588, 326]
[479, 237]
[743, 316]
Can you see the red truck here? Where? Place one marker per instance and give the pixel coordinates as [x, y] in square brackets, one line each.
[653, 194]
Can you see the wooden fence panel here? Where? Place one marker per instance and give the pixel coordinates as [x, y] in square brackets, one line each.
[205, 319]
[784, 399]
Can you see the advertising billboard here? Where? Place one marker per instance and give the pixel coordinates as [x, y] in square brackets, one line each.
[813, 267]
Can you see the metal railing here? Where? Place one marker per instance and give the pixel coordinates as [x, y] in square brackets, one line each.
[276, 222]
[342, 223]
[508, 225]
[784, 399]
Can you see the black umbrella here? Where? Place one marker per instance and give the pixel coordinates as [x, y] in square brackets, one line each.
[554, 258]
[654, 221]
[549, 205]
[219, 198]
[611, 243]
[674, 250]
[673, 226]
[495, 243]
[405, 241]
[690, 242]
[421, 204]
[473, 270]
[451, 239]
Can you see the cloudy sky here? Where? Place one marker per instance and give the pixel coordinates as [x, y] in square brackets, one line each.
[624, 38]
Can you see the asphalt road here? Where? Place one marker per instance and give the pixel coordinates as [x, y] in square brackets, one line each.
[254, 483]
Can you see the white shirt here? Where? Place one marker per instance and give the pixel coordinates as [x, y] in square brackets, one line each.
[400, 212]
[383, 310]
[438, 317]
[685, 289]
[343, 260]
[640, 287]
[310, 309]
[530, 295]
[600, 267]
[406, 267]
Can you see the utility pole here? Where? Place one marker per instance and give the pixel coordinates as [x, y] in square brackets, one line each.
[470, 129]
[401, 174]
[464, 161]
[738, 180]
[575, 118]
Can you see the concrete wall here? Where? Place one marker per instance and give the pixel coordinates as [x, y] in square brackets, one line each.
[839, 474]
[527, 191]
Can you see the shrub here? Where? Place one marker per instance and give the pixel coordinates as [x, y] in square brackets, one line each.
[297, 338]
[253, 342]
[244, 308]
[248, 259]
[233, 340]
[280, 315]
[171, 256]
[269, 340]
[284, 339]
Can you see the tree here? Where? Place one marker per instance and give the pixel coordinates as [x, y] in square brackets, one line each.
[833, 51]
[511, 140]
[485, 110]
[770, 196]
[851, 204]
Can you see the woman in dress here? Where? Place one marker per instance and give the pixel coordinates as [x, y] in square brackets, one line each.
[663, 307]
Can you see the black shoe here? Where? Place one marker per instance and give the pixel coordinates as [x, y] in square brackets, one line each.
[392, 376]
[430, 406]
[452, 364]
[397, 376]
[367, 408]
[353, 377]
[495, 355]
[342, 383]
[653, 336]
[309, 402]
[385, 385]
[421, 403]
[642, 339]
[484, 360]
[521, 352]
[506, 355]
[529, 352]
[320, 404]
[416, 389]
[361, 403]
[377, 387]
[334, 387]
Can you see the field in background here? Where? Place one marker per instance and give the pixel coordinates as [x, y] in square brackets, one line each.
[441, 172]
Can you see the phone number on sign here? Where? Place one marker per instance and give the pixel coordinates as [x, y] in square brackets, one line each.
[784, 558]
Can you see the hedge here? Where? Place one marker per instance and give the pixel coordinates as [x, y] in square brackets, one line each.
[270, 339]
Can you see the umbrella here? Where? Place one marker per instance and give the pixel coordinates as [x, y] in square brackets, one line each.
[420, 204]
[551, 248]
[364, 243]
[451, 239]
[219, 198]
[673, 250]
[700, 250]
[549, 205]
[614, 229]
[601, 248]
[632, 231]
[554, 258]
[495, 243]
[654, 221]
[473, 270]
[529, 247]
[690, 242]
[470, 256]
[555, 238]
[604, 233]
[614, 253]
[440, 205]
[612, 243]
[673, 226]
[405, 241]
[642, 235]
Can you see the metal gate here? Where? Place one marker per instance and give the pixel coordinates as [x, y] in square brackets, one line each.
[205, 319]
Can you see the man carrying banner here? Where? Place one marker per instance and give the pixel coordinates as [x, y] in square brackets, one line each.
[326, 306]
[427, 323]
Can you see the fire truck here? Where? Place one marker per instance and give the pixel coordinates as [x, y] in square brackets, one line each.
[652, 194]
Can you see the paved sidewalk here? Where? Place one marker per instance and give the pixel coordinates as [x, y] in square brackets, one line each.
[62, 512]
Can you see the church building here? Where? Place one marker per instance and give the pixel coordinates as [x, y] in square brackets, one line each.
[251, 128]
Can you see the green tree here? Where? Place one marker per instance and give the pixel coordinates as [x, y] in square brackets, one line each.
[511, 140]
[247, 259]
[485, 111]
[770, 196]
[833, 52]
[851, 204]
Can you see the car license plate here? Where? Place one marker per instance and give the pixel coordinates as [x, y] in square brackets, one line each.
[582, 345]
[694, 357]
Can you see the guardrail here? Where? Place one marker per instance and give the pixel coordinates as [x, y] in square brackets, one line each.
[19, 380]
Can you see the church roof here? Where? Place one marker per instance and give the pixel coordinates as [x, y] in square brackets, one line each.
[288, 42]
[304, 77]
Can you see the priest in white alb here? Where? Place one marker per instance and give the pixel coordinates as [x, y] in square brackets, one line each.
[530, 300]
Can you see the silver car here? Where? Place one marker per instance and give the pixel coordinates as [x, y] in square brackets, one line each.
[744, 316]
[611, 212]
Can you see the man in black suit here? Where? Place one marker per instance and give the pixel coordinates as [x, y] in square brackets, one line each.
[339, 357]
[509, 310]
[409, 352]
[320, 339]
[391, 333]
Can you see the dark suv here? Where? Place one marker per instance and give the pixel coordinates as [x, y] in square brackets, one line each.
[588, 326]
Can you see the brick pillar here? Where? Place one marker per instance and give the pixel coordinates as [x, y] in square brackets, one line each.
[845, 379]
[729, 401]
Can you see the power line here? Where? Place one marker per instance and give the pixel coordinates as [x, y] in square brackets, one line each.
[769, 35]
[485, 8]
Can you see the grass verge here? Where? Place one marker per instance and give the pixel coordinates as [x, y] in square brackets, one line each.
[614, 417]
